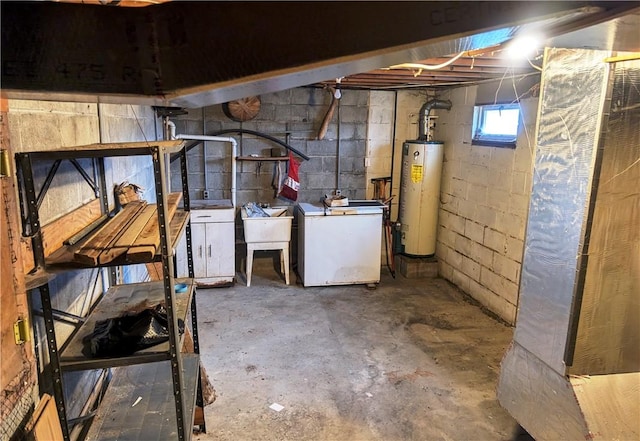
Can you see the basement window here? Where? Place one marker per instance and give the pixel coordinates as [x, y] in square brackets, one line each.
[496, 125]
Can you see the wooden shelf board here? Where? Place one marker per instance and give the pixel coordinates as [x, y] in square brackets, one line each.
[38, 278]
[177, 227]
[262, 158]
[116, 302]
[111, 149]
[154, 416]
[63, 257]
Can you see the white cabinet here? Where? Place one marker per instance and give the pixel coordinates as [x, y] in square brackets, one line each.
[213, 242]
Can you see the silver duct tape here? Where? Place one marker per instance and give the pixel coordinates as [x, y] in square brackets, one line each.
[573, 92]
[608, 334]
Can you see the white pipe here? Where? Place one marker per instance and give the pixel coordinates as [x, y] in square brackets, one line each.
[172, 129]
[168, 133]
[234, 148]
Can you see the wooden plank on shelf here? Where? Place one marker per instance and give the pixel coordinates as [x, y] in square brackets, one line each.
[56, 232]
[26, 250]
[91, 249]
[64, 257]
[177, 225]
[155, 270]
[173, 199]
[114, 149]
[262, 158]
[146, 244]
[121, 245]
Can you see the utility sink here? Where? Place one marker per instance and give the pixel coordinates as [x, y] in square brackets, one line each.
[268, 233]
[275, 228]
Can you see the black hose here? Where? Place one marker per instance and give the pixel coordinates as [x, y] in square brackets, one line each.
[252, 132]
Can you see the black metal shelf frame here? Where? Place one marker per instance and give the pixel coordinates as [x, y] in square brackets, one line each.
[30, 203]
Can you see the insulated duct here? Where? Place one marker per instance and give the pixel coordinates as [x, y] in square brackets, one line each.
[425, 110]
[576, 338]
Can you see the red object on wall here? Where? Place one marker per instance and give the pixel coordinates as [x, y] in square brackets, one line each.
[292, 181]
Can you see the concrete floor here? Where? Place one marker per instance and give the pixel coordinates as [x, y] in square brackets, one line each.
[410, 360]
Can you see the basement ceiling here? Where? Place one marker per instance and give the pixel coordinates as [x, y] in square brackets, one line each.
[601, 30]
[193, 54]
[455, 71]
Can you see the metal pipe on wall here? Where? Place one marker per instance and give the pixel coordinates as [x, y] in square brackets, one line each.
[393, 146]
[234, 148]
[338, 191]
[425, 110]
[204, 154]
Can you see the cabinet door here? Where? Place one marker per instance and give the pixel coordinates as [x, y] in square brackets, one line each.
[220, 249]
[198, 240]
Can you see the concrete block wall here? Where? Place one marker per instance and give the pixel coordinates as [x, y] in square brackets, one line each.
[45, 125]
[293, 116]
[485, 194]
[379, 153]
[48, 125]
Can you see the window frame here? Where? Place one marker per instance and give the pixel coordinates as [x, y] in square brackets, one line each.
[489, 139]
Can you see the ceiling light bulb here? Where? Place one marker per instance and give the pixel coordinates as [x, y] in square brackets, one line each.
[523, 47]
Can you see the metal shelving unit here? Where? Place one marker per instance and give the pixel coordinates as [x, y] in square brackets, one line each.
[164, 378]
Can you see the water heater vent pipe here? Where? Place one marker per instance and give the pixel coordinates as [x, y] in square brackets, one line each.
[425, 110]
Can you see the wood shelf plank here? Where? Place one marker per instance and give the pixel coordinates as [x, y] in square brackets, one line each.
[262, 158]
[117, 302]
[110, 149]
[63, 257]
[154, 416]
[147, 243]
[122, 244]
[103, 239]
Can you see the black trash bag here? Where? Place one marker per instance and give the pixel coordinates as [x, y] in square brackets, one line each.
[121, 336]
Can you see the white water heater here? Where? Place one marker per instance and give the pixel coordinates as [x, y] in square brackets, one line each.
[420, 196]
